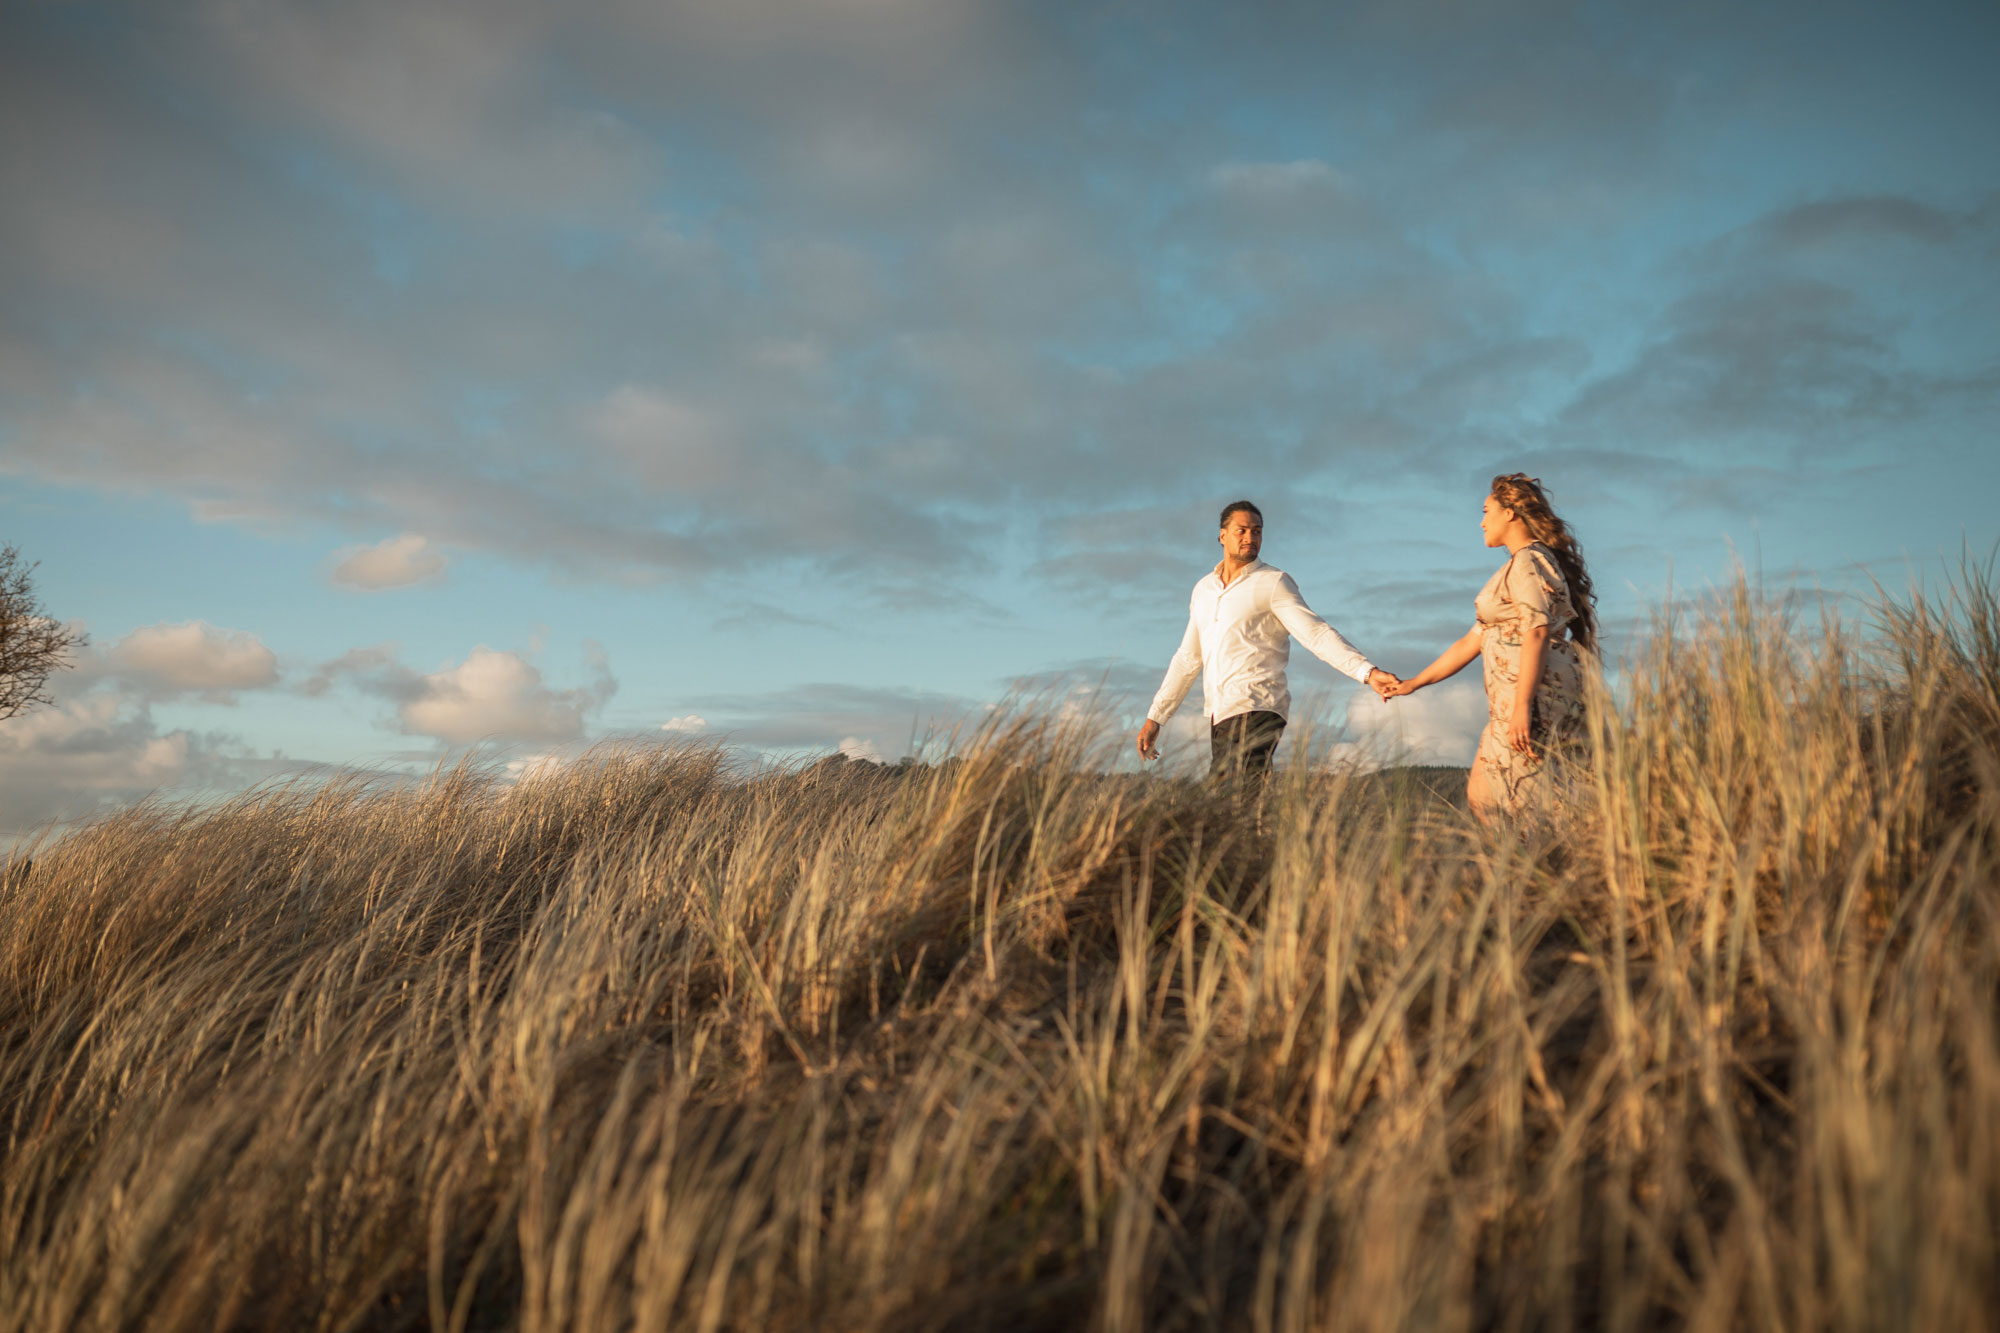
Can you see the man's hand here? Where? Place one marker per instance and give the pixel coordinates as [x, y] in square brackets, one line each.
[1384, 683]
[1149, 733]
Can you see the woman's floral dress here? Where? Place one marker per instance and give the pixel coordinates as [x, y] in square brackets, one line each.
[1528, 590]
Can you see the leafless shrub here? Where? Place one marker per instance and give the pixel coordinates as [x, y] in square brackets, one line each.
[33, 646]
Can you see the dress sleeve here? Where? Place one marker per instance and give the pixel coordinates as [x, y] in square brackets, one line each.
[1533, 582]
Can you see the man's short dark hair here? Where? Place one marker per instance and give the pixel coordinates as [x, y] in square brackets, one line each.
[1235, 506]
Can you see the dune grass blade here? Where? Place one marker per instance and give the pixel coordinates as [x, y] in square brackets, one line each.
[1010, 1041]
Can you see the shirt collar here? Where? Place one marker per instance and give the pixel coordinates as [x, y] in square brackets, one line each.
[1248, 570]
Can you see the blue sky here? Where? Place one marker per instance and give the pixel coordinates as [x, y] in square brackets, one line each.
[381, 379]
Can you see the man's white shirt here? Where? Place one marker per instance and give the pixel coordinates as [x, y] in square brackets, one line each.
[1239, 638]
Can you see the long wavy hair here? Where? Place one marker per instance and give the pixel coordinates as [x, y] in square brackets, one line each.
[1524, 495]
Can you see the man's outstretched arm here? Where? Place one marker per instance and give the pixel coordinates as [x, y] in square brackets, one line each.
[1181, 673]
[1324, 641]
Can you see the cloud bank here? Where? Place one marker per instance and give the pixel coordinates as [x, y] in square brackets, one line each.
[639, 293]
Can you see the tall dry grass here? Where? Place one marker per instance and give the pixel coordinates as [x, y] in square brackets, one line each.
[1009, 1043]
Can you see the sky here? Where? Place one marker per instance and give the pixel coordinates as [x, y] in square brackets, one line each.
[392, 378]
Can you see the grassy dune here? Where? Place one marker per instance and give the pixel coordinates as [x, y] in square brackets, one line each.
[1007, 1043]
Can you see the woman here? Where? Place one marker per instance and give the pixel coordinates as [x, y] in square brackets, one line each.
[1536, 616]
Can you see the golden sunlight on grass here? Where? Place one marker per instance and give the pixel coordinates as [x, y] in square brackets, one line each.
[1008, 1043]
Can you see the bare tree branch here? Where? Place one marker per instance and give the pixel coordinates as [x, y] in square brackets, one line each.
[33, 644]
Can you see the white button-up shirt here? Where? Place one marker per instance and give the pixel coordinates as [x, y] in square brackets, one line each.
[1238, 640]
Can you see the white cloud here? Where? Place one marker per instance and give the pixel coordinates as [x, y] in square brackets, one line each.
[856, 748]
[491, 696]
[394, 563]
[494, 695]
[531, 767]
[193, 658]
[693, 722]
[1437, 725]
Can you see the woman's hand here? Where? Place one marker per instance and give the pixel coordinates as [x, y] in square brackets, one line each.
[1518, 731]
[1401, 688]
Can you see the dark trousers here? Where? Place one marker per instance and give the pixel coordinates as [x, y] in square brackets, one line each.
[1242, 746]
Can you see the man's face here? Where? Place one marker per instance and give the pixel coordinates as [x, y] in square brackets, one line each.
[1242, 535]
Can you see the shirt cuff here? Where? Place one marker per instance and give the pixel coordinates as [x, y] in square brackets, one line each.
[1366, 670]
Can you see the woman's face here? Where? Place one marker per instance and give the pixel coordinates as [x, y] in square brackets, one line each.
[1493, 521]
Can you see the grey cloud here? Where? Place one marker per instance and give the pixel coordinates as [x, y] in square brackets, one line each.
[1784, 356]
[1105, 681]
[1847, 237]
[821, 716]
[1594, 473]
[459, 99]
[1144, 548]
[1281, 203]
[1020, 269]
[899, 721]
[99, 748]
[918, 266]
[1593, 96]
[1864, 217]
[741, 458]
[754, 615]
[375, 670]
[1788, 345]
[1515, 117]
[1422, 597]
[1490, 378]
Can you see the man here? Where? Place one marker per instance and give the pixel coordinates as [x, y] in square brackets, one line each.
[1241, 619]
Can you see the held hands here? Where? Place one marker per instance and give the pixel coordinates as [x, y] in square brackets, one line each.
[1389, 685]
[1385, 683]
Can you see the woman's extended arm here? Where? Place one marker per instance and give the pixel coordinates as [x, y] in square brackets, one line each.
[1449, 663]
